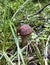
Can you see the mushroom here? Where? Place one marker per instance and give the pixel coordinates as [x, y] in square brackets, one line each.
[24, 31]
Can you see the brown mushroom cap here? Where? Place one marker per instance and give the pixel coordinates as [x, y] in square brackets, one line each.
[24, 30]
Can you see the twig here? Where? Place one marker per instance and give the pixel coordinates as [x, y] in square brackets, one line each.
[39, 11]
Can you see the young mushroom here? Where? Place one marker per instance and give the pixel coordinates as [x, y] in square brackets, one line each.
[24, 30]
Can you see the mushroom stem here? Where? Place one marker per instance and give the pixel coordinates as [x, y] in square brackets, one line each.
[24, 40]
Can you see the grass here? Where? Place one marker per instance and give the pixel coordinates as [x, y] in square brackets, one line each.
[10, 39]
